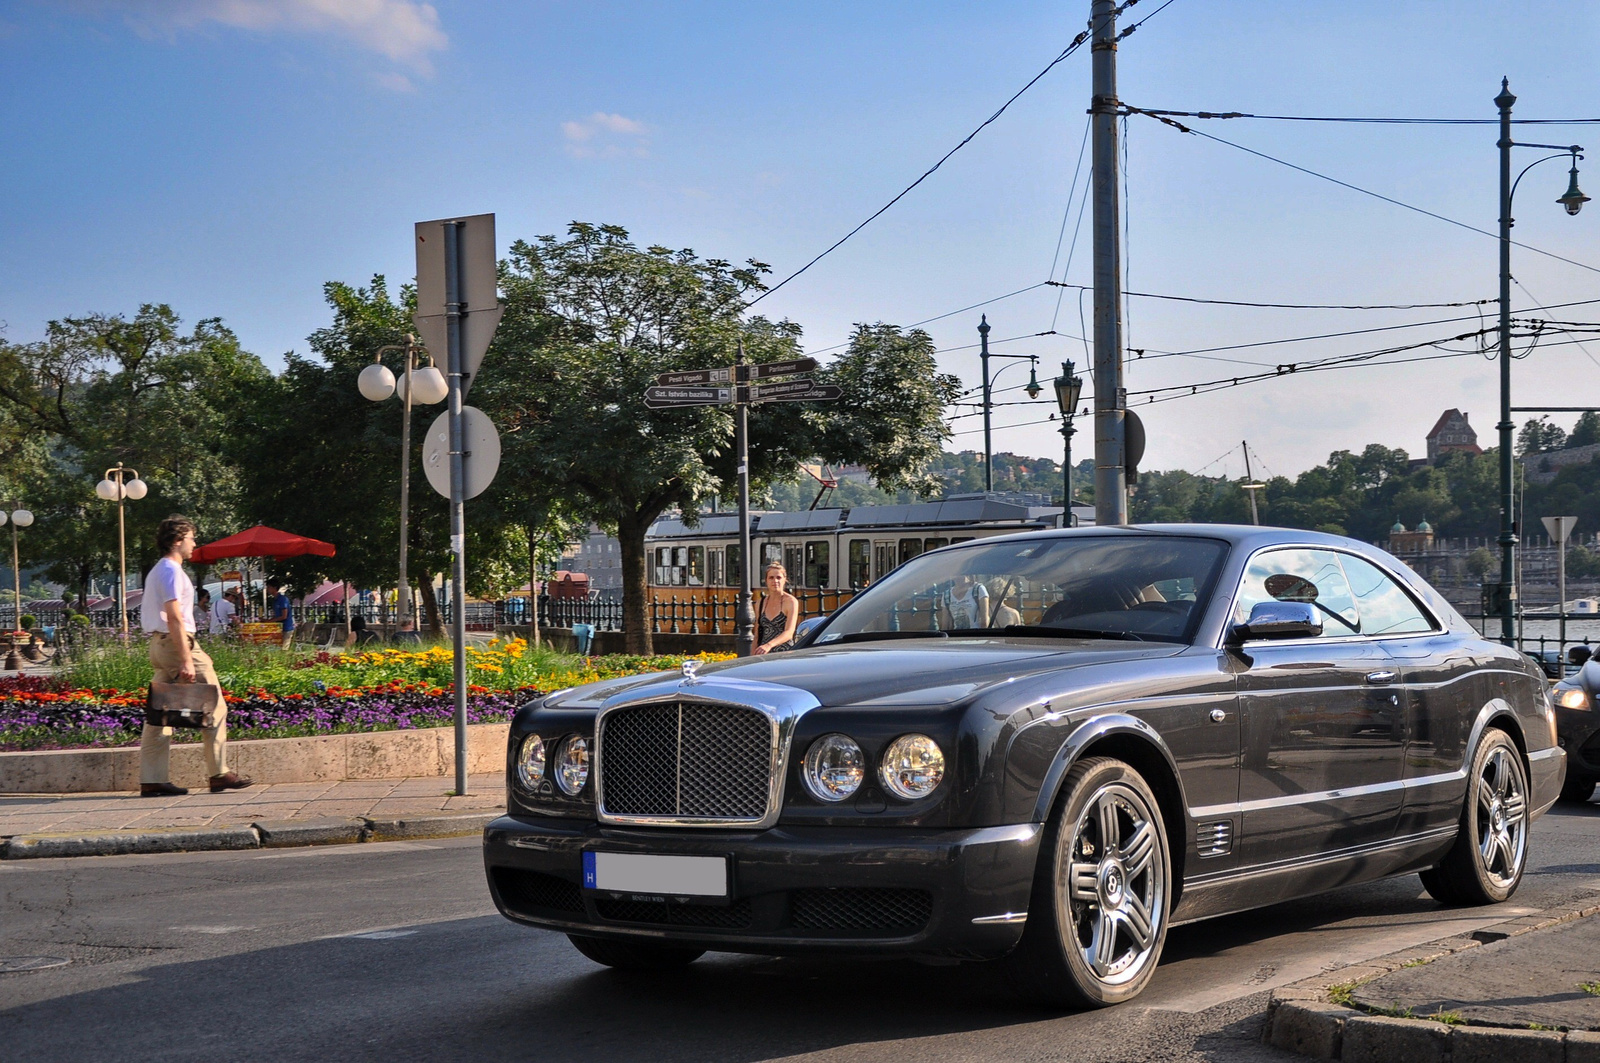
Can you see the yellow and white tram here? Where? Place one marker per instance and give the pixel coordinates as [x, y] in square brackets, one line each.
[828, 553]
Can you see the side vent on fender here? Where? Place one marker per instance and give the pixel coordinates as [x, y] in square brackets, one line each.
[1214, 839]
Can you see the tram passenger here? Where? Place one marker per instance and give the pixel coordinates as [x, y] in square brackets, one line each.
[779, 614]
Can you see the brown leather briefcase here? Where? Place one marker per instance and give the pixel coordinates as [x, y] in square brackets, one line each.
[181, 704]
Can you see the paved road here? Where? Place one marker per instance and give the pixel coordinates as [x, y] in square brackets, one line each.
[392, 952]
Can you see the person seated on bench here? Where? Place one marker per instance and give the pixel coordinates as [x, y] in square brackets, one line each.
[360, 634]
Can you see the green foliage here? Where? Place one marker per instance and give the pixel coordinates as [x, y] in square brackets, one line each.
[1482, 561]
[29, 621]
[1540, 436]
[1586, 432]
[1592, 988]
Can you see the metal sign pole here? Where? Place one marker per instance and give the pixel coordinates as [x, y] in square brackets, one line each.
[458, 522]
[745, 613]
[402, 600]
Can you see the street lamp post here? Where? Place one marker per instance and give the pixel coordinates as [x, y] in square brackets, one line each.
[1032, 388]
[1069, 389]
[118, 484]
[20, 518]
[1573, 201]
[427, 386]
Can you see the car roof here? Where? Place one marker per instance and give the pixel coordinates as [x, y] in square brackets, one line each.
[1249, 536]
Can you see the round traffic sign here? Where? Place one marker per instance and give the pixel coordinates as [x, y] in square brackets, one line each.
[481, 443]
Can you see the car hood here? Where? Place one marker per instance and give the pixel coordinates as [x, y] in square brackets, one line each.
[893, 672]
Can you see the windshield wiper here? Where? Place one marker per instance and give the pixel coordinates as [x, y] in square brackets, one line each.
[1070, 632]
[871, 636]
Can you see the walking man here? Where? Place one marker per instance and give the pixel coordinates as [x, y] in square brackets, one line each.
[167, 614]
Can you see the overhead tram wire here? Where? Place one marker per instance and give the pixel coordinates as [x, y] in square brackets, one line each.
[1357, 188]
[1156, 112]
[1077, 42]
[1286, 306]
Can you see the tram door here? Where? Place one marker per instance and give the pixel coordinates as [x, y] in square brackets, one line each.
[883, 558]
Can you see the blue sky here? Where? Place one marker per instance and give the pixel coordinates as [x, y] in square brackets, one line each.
[229, 156]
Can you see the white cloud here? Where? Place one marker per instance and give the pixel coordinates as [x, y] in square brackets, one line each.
[604, 135]
[404, 31]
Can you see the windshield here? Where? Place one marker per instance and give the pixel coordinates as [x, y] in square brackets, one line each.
[1144, 587]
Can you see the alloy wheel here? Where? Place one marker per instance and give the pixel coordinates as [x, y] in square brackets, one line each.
[1115, 885]
[1502, 818]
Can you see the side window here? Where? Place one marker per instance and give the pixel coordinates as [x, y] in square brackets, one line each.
[909, 548]
[817, 570]
[860, 562]
[1301, 576]
[794, 563]
[697, 566]
[1386, 609]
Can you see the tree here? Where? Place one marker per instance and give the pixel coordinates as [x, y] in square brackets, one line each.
[1482, 561]
[102, 388]
[1586, 432]
[592, 319]
[1540, 436]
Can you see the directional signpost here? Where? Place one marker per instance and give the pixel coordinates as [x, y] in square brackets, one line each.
[457, 313]
[699, 387]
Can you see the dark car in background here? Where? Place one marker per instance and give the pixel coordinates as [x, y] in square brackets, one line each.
[1577, 700]
[1043, 749]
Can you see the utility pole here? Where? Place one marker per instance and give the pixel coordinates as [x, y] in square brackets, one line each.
[988, 449]
[1250, 484]
[744, 616]
[1508, 532]
[1110, 466]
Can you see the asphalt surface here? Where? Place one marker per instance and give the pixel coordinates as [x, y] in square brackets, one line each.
[392, 951]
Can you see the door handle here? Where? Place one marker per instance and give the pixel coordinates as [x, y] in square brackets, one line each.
[1379, 678]
[1217, 716]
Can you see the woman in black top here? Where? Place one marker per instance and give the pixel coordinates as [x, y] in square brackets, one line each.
[779, 613]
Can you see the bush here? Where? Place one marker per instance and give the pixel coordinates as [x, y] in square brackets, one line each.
[29, 621]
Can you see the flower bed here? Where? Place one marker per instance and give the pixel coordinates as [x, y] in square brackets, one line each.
[295, 696]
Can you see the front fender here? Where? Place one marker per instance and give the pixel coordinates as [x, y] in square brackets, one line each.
[1086, 734]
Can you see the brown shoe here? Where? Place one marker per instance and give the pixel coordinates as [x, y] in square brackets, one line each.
[160, 789]
[231, 781]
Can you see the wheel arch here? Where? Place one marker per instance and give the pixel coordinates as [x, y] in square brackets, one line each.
[1137, 744]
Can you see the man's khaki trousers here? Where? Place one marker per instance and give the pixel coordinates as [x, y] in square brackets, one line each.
[155, 743]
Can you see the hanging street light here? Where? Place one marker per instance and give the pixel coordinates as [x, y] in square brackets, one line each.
[1069, 389]
[425, 385]
[1504, 599]
[1032, 388]
[118, 484]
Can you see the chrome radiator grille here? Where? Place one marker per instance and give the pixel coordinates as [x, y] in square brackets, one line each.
[683, 760]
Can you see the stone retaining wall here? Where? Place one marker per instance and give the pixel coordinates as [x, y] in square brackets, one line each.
[428, 751]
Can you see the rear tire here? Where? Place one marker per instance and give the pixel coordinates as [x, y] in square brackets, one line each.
[1577, 789]
[634, 955]
[1491, 850]
[1097, 919]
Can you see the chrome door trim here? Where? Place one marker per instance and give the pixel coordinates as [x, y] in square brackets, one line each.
[782, 705]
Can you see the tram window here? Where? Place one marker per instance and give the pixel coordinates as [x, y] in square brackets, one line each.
[697, 566]
[734, 570]
[663, 566]
[883, 559]
[682, 560]
[909, 548]
[794, 563]
[771, 552]
[860, 554]
[817, 567]
[962, 539]
[933, 544]
[715, 573]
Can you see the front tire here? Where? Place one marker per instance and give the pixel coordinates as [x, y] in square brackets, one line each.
[1097, 919]
[634, 955]
[1491, 850]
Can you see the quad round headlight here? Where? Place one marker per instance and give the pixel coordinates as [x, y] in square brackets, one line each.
[572, 765]
[834, 767]
[530, 762]
[913, 767]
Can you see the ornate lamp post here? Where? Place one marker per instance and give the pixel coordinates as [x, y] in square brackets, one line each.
[121, 483]
[1069, 389]
[1573, 201]
[1032, 388]
[427, 386]
[20, 518]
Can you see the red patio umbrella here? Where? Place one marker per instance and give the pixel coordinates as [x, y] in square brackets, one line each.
[261, 541]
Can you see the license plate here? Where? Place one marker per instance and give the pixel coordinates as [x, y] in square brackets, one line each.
[667, 876]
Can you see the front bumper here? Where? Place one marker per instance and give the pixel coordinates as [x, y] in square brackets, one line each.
[961, 893]
[1578, 731]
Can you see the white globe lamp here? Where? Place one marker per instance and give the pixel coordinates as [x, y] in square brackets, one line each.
[22, 518]
[107, 489]
[376, 382]
[428, 386]
[135, 488]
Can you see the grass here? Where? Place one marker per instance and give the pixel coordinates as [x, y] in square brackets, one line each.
[1592, 988]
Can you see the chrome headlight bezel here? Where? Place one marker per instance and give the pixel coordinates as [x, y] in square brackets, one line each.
[912, 767]
[834, 753]
[530, 762]
[573, 761]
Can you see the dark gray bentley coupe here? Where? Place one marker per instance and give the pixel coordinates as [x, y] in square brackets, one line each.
[1044, 749]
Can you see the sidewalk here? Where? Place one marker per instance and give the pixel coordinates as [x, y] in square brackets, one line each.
[286, 813]
[1527, 989]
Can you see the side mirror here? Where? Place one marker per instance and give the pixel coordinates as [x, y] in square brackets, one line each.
[806, 627]
[1281, 620]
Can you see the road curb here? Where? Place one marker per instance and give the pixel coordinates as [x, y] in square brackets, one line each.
[1308, 1019]
[260, 834]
